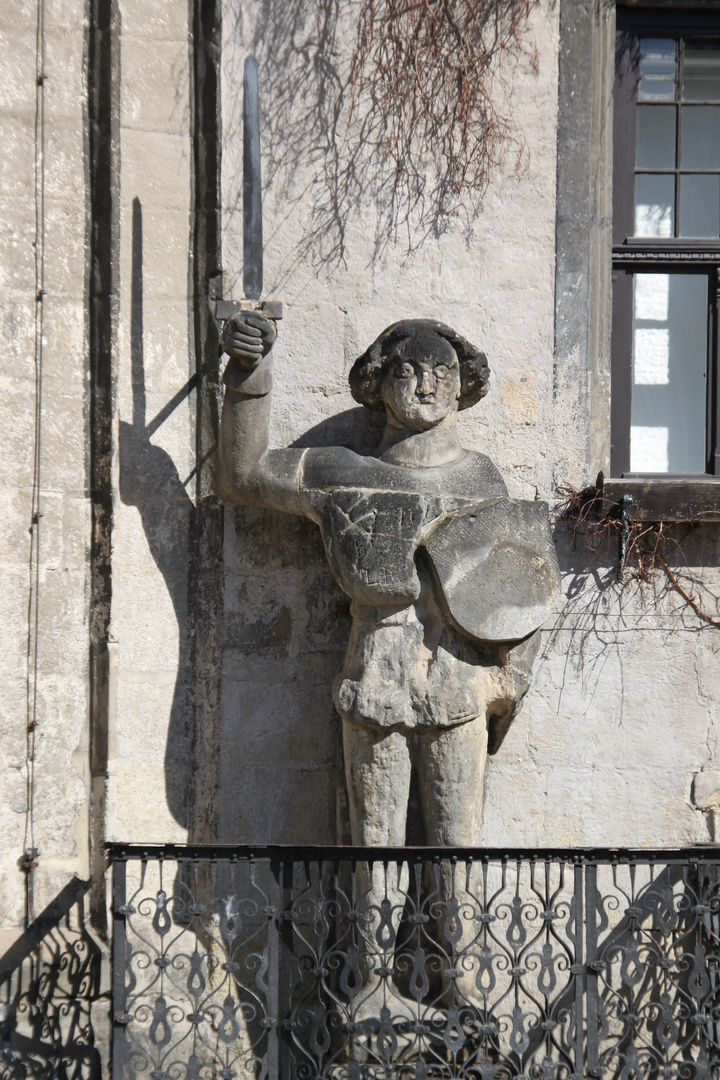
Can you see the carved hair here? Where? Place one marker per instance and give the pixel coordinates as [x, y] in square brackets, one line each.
[366, 374]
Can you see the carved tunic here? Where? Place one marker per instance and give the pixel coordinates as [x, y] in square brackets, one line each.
[373, 515]
[404, 665]
[409, 663]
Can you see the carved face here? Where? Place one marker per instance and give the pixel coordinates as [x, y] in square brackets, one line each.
[420, 390]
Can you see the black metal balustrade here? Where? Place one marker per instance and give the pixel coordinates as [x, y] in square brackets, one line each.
[415, 963]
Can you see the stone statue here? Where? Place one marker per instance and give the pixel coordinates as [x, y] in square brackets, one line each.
[449, 578]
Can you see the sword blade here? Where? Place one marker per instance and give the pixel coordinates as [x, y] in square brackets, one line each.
[252, 186]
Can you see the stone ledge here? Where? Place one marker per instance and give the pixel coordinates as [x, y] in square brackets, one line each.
[691, 499]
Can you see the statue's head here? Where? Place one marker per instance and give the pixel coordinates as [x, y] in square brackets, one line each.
[419, 371]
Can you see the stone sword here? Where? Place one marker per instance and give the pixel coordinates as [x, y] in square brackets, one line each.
[252, 208]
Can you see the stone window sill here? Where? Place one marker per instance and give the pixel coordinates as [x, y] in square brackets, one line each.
[667, 498]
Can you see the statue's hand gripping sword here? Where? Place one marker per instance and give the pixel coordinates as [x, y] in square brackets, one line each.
[252, 209]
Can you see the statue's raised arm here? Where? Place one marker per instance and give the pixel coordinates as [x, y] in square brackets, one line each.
[247, 472]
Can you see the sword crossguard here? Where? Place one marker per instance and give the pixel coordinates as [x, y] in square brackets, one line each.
[225, 309]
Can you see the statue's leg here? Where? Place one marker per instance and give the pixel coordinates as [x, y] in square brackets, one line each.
[451, 766]
[378, 768]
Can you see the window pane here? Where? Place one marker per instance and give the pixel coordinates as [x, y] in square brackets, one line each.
[655, 146]
[699, 206]
[649, 449]
[667, 432]
[700, 137]
[654, 205]
[657, 69]
[652, 356]
[652, 297]
[701, 69]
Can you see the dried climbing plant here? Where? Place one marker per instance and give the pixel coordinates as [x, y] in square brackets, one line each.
[402, 108]
[426, 80]
[651, 553]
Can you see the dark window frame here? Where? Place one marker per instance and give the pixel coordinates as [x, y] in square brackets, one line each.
[671, 254]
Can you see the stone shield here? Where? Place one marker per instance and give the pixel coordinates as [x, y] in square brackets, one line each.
[496, 569]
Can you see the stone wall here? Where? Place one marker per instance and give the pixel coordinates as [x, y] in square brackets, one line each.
[595, 757]
[618, 738]
[45, 541]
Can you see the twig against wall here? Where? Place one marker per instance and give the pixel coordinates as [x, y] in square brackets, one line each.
[652, 554]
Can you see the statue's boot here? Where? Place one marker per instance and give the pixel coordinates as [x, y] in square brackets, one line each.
[459, 933]
[382, 1020]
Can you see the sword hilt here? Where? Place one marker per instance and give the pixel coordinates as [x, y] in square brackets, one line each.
[225, 309]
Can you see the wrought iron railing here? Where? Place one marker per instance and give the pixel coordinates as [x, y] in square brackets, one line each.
[357, 963]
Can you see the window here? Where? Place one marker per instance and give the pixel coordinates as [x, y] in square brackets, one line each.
[666, 245]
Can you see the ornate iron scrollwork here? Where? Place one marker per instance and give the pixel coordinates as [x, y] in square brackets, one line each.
[352, 965]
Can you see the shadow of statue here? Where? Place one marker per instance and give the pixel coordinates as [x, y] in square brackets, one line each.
[149, 481]
[358, 429]
[258, 544]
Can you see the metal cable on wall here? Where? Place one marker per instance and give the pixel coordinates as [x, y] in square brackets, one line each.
[31, 853]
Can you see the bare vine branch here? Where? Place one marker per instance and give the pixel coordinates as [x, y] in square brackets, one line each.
[651, 549]
[401, 107]
[424, 84]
